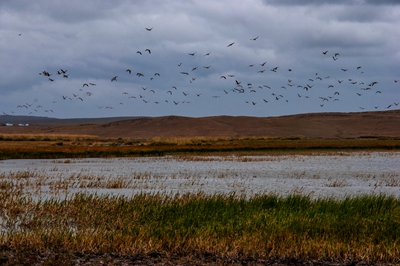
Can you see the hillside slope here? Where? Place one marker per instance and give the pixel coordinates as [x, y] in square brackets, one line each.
[318, 125]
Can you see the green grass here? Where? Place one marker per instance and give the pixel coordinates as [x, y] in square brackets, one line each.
[364, 227]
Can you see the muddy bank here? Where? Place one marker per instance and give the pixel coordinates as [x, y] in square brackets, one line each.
[65, 258]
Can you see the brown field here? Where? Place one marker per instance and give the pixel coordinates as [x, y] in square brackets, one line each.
[380, 124]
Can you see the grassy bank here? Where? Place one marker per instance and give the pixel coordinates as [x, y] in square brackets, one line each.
[365, 228]
[53, 146]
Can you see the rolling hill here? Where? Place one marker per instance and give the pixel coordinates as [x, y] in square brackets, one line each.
[315, 125]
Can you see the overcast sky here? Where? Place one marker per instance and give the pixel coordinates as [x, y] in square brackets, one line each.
[253, 57]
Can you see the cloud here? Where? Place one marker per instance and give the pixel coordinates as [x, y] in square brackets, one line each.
[330, 2]
[95, 42]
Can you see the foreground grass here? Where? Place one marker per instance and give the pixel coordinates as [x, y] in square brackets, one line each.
[364, 228]
[53, 146]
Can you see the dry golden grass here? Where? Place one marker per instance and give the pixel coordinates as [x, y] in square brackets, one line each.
[54, 146]
[361, 228]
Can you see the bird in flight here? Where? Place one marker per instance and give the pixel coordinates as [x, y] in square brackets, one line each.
[232, 43]
[254, 39]
[129, 71]
[114, 78]
[149, 29]
[325, 52]
[148, 50]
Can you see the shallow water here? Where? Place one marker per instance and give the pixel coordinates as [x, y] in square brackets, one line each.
[321, 175]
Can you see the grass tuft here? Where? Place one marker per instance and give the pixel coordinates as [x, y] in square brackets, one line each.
[364, 227]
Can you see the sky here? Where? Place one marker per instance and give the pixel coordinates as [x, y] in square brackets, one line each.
[198, 58]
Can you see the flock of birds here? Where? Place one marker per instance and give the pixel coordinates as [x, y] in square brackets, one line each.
[257, 93]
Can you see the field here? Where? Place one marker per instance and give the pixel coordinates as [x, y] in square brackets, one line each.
[193, 228]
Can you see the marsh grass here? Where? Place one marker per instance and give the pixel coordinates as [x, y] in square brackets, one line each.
[364, 227]
[81, 146]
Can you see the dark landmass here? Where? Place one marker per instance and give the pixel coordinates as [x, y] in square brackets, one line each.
[49, 121]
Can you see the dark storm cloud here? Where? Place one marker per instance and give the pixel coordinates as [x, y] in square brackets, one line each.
[330, 2]
[382, 2]
[73, 12]
[96, 40]
[306, 2]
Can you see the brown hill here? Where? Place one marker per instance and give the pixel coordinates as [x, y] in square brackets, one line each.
[319, 125]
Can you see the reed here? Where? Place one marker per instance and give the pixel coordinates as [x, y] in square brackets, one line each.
[68, 148]
[364, 227]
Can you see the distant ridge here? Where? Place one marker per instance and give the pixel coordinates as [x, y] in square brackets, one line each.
[42, 120]
[314, 125]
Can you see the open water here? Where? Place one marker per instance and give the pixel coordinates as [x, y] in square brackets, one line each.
[321, 175]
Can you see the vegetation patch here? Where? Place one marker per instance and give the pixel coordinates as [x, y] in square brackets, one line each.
[265, 226]
[53, 146]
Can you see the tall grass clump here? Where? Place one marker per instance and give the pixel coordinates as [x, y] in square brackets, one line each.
[364, 227]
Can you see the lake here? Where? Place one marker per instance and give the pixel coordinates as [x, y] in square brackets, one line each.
[334, 174]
